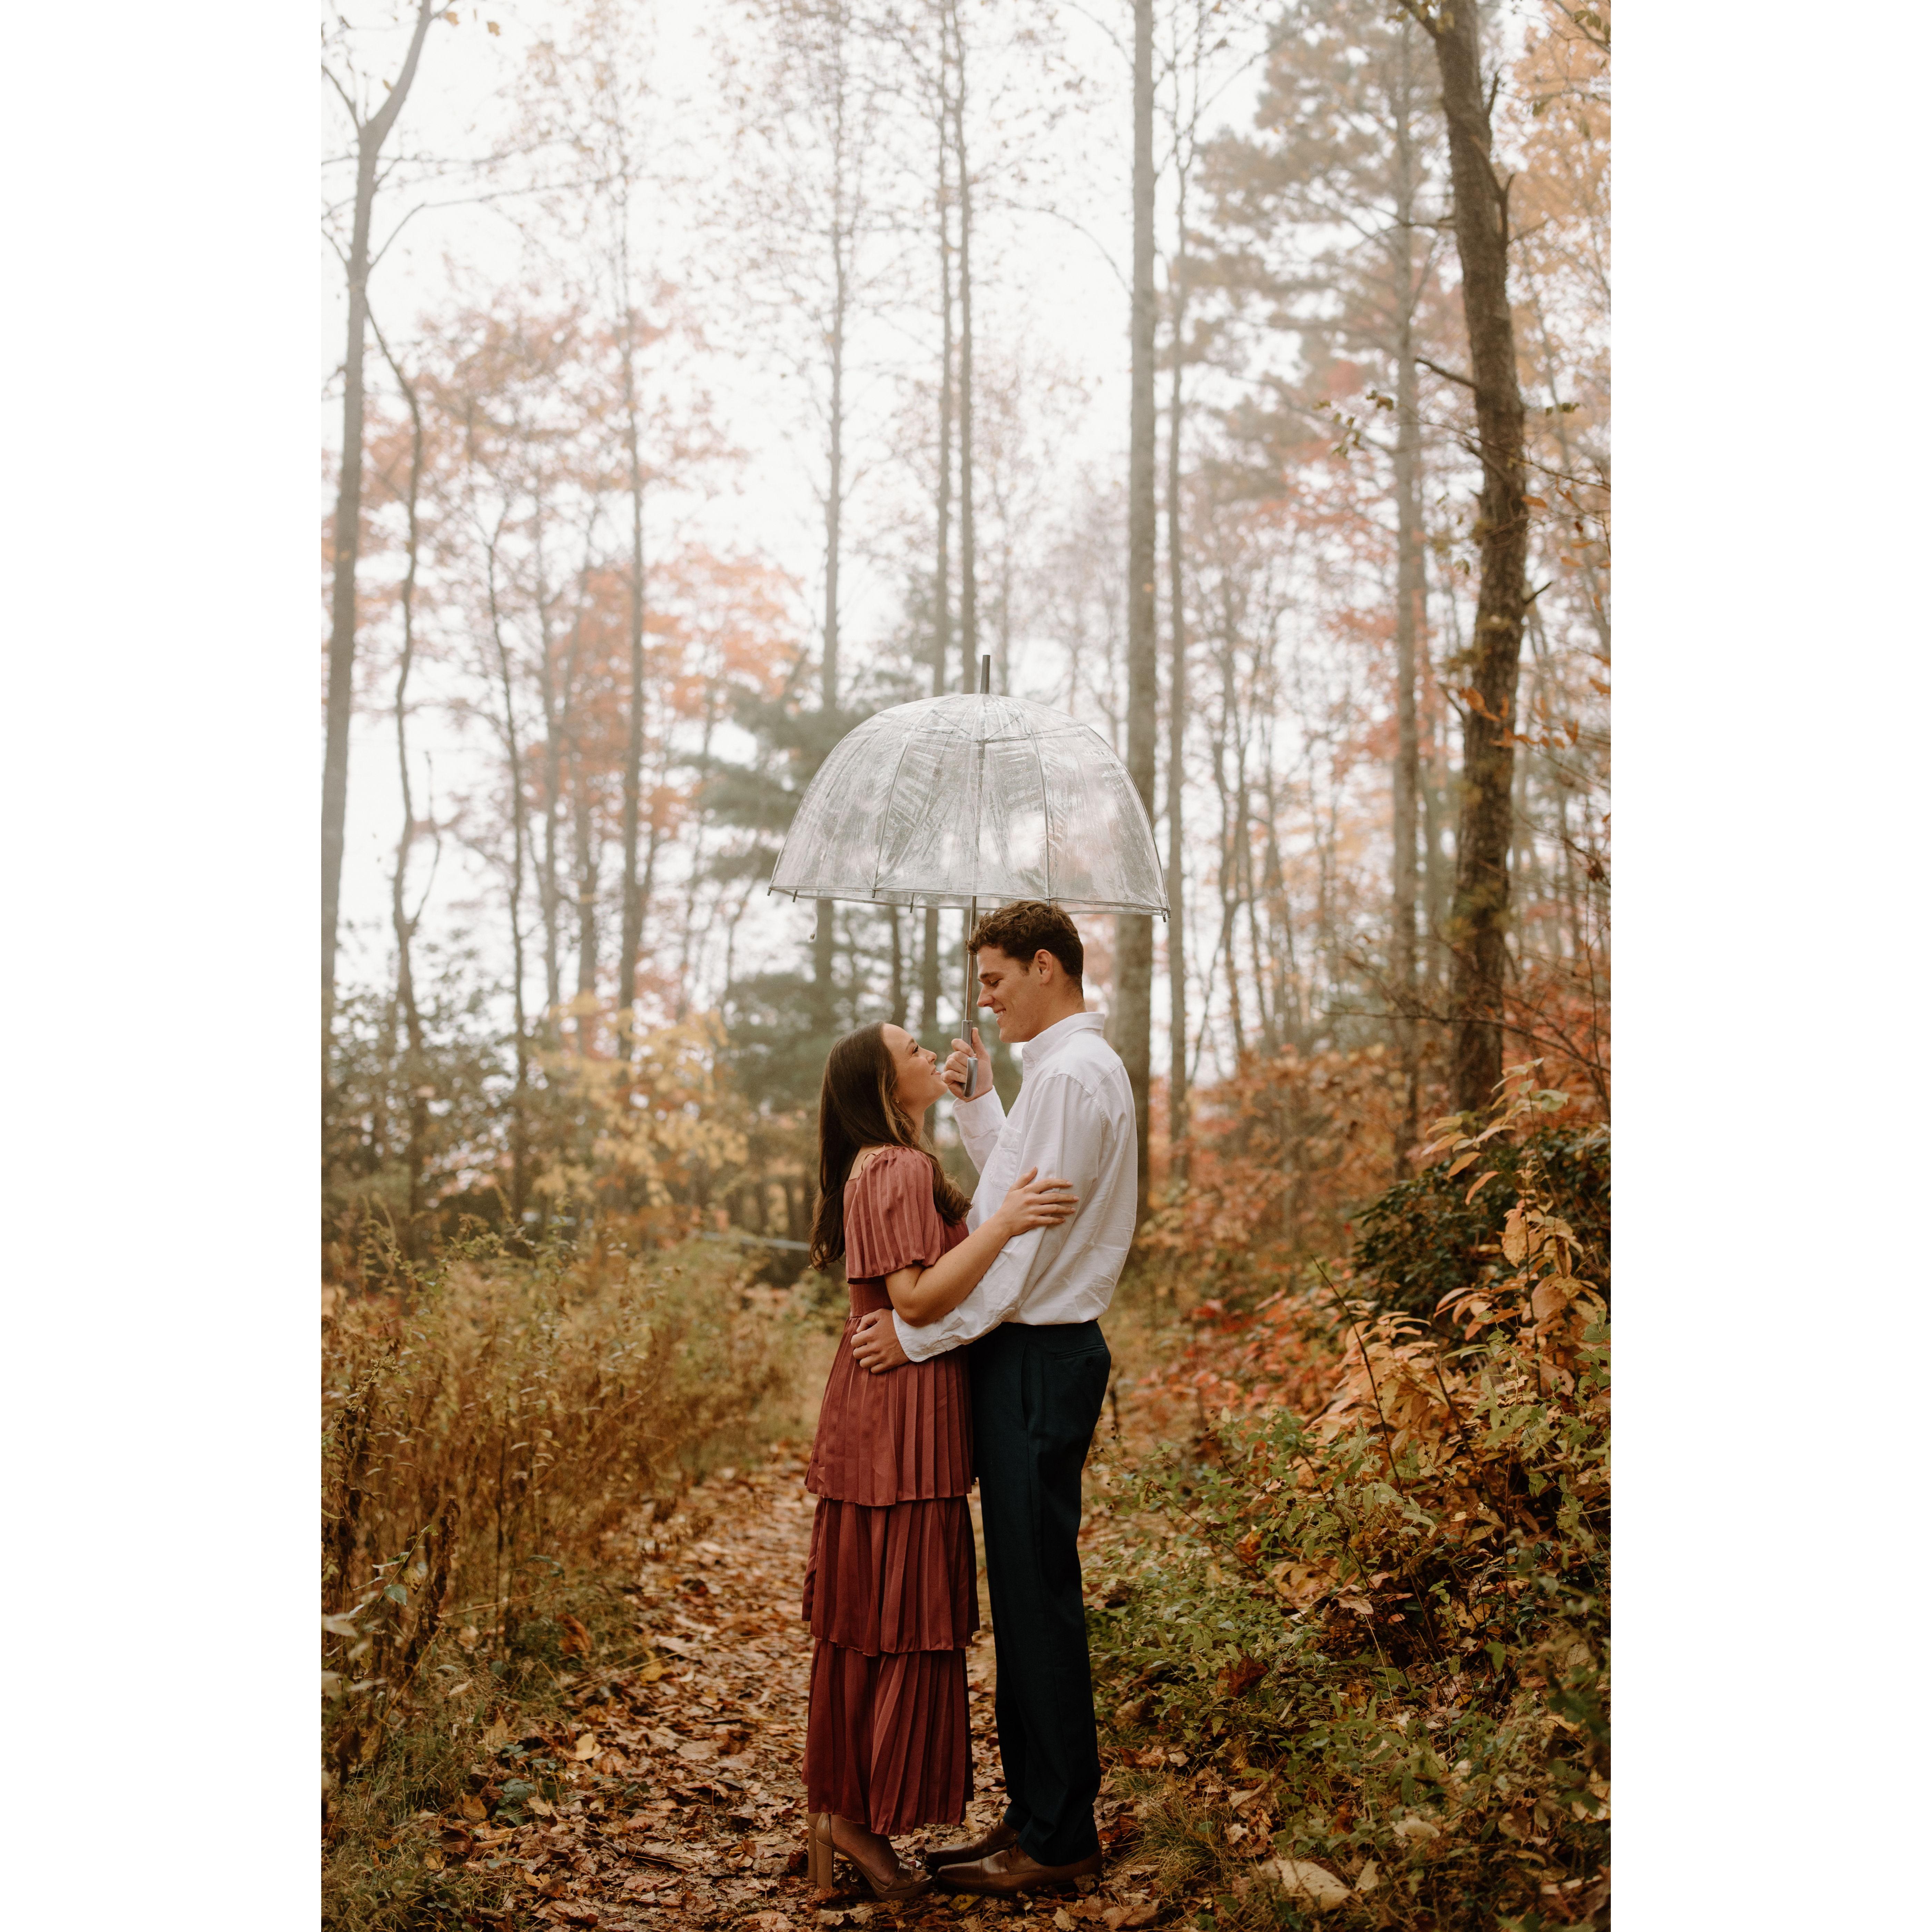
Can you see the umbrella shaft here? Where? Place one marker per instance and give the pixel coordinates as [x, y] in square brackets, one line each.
[972, 974]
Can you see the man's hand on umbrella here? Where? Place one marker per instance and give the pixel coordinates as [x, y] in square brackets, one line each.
[875, 1342]
[954, 1072]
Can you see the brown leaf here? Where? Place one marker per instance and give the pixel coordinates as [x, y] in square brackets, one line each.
[473, 1808]
[1240, 1676]
[576, 1638]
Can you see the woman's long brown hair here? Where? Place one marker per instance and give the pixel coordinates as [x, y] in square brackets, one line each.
[858, 1107]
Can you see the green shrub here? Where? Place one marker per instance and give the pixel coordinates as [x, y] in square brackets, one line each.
[1423, 1238]
[1389, 1621]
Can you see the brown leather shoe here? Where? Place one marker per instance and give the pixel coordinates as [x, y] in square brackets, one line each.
[997, 1838]
[1006, 1874]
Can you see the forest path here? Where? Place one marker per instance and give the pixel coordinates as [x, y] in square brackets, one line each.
[704, 1741]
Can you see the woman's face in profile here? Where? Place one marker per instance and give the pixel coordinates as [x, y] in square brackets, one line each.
[918, 1081]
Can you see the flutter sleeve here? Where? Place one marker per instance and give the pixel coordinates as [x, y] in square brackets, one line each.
[890, 1220]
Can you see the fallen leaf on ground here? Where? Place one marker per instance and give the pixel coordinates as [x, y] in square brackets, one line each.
[1301, 1879]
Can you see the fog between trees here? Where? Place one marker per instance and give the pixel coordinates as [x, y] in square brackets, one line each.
[746, 390]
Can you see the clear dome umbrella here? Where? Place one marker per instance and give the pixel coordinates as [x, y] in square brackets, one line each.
[967, 798]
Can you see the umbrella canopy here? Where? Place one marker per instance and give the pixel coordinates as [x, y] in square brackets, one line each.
[968, 798]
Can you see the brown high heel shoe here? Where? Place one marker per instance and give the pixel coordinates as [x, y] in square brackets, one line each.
[818, 1853]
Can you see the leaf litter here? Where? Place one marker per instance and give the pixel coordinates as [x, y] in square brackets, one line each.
[679, 1798]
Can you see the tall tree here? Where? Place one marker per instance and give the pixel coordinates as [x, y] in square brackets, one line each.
[807, 117]
[1411, 606]
[586, 99]
[1341, 185]
[371, 130]
[942, 573]
[1479, 913]
[1133, 962]
[403, 922]
[1189, 54]
[969, 561]
[828, 97]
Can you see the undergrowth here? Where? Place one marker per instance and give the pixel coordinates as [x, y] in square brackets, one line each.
[494, 1427]
[1363, 1671]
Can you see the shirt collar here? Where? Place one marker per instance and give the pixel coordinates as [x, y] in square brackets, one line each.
[1044, 1045]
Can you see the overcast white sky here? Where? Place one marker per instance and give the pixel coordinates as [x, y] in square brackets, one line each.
[1055, 283]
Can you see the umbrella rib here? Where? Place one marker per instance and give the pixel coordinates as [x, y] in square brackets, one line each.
[1046, 814]
[879, 855]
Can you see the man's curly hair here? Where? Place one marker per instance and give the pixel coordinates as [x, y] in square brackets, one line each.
[1029, 926]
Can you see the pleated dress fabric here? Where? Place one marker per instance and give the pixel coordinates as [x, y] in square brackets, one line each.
[889, 1585]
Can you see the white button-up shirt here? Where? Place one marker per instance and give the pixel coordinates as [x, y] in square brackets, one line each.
[1074, 1119]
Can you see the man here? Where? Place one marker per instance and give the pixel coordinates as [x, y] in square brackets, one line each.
[1039, 1366]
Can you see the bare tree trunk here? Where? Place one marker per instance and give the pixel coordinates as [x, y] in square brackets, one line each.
[549, 894]
[631, 942]
[1133, 965]
[822, 968]
[519, 1124]
[1479, 915]
[1177, 730]
[1229, 879]
[942, 585]
[1410, 620]
[1437, 865]
[583, 862]
[370, 136]
[415, 1073]
[969, 586]
[898, 992]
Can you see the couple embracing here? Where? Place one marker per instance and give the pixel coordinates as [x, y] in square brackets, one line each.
[973, 1349]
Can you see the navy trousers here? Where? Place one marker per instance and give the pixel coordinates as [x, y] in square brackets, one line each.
[1037, 1393]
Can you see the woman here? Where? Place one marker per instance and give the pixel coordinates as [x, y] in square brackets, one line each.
[888, 1587]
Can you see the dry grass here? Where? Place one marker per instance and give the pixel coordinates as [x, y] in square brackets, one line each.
[497, 1434]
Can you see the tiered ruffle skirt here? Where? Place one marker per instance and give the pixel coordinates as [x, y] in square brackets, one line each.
[889, 1596]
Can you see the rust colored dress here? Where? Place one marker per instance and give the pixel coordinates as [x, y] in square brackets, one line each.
[889, 1586]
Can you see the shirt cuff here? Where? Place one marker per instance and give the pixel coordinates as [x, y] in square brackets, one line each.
[920, 1345]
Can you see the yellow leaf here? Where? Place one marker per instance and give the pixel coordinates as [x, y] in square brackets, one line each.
[1553, 1296]
[1516, 1238]
[1462, 1161]
[586, 1747]
[1476, 1186]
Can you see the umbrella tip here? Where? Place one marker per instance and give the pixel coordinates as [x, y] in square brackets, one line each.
[985, 675]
